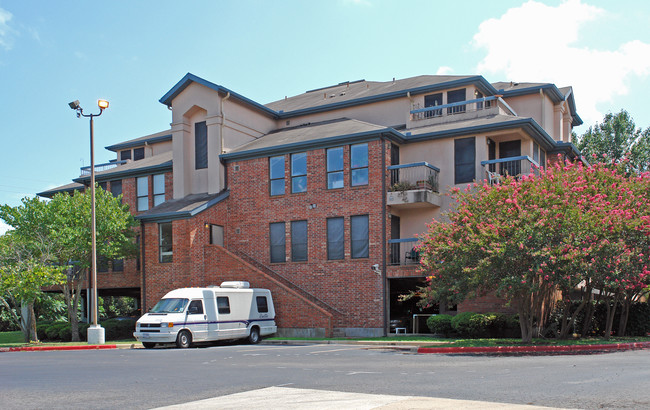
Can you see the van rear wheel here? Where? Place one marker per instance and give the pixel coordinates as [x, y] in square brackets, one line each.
[148, 345]
[254, 336]
[184, 339]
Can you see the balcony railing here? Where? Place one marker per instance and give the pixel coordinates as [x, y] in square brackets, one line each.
[497, 169]
[419, 175]
[85, 171]
[402, 252]
[479, 104]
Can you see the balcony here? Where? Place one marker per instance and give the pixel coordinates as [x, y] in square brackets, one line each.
[413, 185]
[458, 111]
[497, 169]
[402, 252]
[85, 171]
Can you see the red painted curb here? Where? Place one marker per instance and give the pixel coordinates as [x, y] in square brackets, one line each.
[39, 348]
[535, 349]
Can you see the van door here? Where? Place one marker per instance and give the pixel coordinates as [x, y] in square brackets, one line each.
[211, 312]
[227, 326]
[196, 320]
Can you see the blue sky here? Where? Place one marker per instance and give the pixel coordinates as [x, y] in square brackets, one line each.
[132, 53]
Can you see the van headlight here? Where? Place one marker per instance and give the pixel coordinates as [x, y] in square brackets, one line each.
[167, 324]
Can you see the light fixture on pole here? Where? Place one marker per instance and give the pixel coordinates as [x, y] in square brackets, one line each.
[95, 332]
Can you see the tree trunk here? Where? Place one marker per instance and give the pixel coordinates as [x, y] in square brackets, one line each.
[611, 311]
[74, 317]
[625, 314]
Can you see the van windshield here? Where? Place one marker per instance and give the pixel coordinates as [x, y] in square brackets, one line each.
[171, 305]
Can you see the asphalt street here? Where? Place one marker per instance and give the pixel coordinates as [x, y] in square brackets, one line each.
[140, 378]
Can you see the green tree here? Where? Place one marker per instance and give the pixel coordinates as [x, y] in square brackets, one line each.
[568, 227]
[615, 139]
[26, 267]
[69, 215]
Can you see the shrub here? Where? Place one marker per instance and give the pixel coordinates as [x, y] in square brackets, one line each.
[440, 324]
[65, 335]
[638, 322]
[469, 324]
[41, 328]
[52, 331]
[116, 329]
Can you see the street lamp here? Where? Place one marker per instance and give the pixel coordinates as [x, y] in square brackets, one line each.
[95, 332]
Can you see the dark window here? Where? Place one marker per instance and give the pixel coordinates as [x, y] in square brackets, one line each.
[298, 241]
[216, 235]
[299, 172]
[102, 264]
[195, 307]
[454, 97]
[138, 154]
[335, 168]
[158, 189]
[276, 173]
[359, 164]
[118, 265]
[102, 185]
[262, 304]
[359, 236]
[223, 304]
[432, 100]
[165, 242]
[536, 152]
[116, 188]
[479, 105]
[278, 239]
[142, 192]
[542, 158]
[124, 155]
[335, 238]
[464, 160]
[200, 145]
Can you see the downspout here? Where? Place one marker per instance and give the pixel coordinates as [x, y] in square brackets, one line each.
[223, 121]
[143, 302]
[541, 94]
[384, 281]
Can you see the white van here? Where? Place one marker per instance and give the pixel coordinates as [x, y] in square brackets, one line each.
[229, 311]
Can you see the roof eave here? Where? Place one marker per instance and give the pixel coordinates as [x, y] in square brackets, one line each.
[327, 142]
[482, 84]
[190, 78]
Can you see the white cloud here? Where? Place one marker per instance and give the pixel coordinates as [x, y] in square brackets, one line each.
[537, 43]
[6, 32]
[4, 228]
[444, 70]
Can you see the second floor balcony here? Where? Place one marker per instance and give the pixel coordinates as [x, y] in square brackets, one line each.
[420, 115]
[414, 185]
[85, 171]
[497, 169]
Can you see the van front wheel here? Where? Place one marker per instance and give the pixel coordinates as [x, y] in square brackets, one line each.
[254, 337]
[184, 339]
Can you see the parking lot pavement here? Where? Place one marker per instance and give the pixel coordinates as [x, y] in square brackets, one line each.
[287, 398]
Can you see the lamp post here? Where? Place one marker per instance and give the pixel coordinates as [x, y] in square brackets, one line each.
[95, 332]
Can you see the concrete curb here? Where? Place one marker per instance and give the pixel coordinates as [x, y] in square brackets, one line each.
[536, 349]
[49, 348]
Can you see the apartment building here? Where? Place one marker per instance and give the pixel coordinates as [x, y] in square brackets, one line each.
[320, 197]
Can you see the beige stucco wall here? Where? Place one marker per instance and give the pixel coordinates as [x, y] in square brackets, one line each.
[537, 106]
[198, 103]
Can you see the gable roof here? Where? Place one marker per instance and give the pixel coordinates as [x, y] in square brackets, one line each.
[513, 89]
[190, 78]
[351, 93]
[146, 166]
[137, 142]
[183, 208]
[310, 136]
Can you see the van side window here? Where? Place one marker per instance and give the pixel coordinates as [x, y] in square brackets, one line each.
[223, 304]
[195, 308]
[262, 305]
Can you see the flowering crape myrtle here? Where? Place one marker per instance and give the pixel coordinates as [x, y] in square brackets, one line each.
[537, 240]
